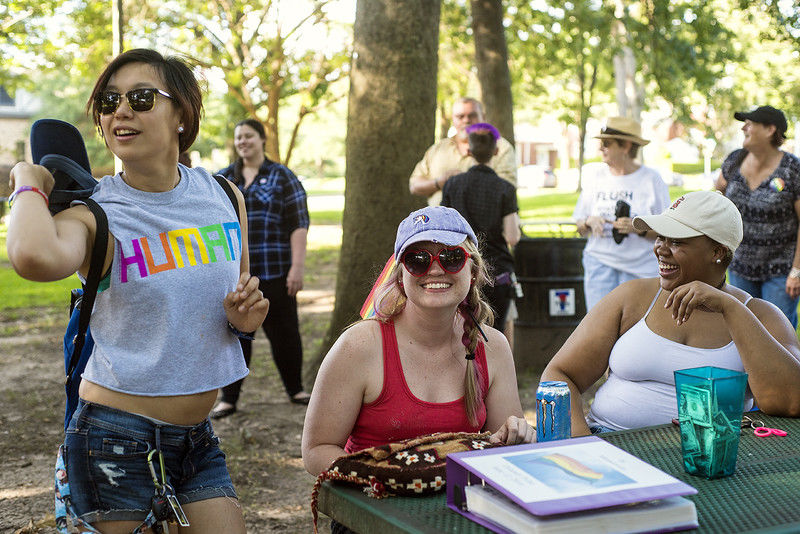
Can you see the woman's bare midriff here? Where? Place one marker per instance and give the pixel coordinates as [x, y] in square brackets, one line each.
[173, 409]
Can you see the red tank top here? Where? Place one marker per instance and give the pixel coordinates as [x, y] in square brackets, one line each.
[397, 414]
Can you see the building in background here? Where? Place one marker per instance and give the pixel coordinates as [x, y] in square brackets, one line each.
[16, 114]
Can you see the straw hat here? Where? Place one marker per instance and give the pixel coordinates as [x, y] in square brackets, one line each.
[623, 128]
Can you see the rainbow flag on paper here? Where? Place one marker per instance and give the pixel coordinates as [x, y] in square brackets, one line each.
[368, 309]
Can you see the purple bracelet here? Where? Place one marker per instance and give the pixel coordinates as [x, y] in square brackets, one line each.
[24, 188]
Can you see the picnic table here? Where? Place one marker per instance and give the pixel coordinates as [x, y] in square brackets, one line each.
[761, 496]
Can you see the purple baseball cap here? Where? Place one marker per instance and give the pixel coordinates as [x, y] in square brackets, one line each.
[438, 224]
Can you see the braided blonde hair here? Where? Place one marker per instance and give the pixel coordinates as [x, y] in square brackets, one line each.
[391, 301]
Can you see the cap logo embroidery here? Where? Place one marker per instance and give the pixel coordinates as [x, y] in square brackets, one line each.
[677, 203]
[421, 219]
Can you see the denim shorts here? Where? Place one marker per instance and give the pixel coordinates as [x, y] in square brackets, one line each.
[107, 469]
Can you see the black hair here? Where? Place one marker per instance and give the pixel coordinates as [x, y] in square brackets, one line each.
[180, 83]
[482, 144]
[777, 138]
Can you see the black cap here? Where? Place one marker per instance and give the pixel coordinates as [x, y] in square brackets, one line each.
[764, 115]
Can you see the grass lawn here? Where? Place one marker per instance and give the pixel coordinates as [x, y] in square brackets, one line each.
[19, 293]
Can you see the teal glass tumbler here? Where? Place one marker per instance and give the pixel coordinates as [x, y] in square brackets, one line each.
[710, 405]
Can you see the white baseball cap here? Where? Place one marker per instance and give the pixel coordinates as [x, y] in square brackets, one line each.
[708, 213]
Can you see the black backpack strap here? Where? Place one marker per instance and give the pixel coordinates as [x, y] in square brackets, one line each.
[92, 281]
[227, 186]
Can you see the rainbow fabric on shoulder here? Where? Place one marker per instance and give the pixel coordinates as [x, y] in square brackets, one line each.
[410, 467]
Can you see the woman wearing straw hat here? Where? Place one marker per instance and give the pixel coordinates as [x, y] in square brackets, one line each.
[613, 193]
[764, 183]
[687, 317]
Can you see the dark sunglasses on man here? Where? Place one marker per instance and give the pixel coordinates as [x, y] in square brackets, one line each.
[142, 99]
[419, 261]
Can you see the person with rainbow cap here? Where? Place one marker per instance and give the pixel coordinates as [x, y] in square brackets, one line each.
[687, 317]
[450, 156]
[426, 362]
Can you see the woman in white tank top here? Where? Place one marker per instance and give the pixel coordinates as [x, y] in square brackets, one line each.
[687, 317]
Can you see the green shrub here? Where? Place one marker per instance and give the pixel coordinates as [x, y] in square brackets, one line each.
[693, 168]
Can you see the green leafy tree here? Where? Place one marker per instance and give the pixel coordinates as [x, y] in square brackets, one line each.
[491, 60]
[259, 50]
[682, 47]
[456, 76]
[23, 44]
[563, 51]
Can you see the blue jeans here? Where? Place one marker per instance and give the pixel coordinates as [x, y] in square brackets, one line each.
[772, 290]
[599, 280]
[107, 469]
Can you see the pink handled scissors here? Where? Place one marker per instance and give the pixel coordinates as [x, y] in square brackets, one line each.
[759, 429]
[763, 431]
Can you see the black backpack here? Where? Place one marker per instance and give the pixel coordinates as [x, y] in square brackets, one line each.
[58, 146]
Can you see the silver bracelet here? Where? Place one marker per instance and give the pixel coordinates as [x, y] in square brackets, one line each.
[794, 273]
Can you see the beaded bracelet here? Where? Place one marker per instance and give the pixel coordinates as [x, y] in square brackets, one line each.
[238, 333]
[24, 188]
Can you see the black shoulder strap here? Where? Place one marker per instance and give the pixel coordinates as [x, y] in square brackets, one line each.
[92, 281]
[227, 186]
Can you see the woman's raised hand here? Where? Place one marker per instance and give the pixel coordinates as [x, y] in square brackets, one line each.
[696, 295]
[24, 173]
[246, 306]
[514, 431]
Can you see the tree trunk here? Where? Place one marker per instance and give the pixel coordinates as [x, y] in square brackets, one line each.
[630, 94]
[391, 118]
[629, 91]
[491, 60]
[587, 100]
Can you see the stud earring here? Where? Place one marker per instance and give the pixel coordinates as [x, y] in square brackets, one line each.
[719, 260]
[180, 129]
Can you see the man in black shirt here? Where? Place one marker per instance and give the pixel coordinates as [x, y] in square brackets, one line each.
[489, 204]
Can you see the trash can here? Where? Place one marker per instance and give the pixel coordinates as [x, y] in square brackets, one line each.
[550, 272]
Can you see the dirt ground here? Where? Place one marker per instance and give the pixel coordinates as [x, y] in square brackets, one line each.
[262, 440]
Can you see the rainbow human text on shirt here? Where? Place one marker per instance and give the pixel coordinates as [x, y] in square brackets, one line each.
[211, 242]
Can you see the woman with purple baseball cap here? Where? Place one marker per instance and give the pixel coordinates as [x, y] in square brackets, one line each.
[689, 316]
[427, 362]
[764, 183]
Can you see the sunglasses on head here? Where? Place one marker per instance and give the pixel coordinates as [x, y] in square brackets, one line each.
[139, 100]
[418, 261]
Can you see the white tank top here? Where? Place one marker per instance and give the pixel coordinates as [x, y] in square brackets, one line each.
[640, 390]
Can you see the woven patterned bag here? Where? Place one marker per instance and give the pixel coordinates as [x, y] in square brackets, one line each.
[414, 466]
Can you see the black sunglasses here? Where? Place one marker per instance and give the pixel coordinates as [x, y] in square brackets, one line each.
[139, 100]
[418, 262]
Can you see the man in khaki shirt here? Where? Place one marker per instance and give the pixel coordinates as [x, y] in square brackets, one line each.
[450, 156]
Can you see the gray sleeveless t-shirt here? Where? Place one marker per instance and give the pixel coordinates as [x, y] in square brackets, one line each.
[158, 322]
